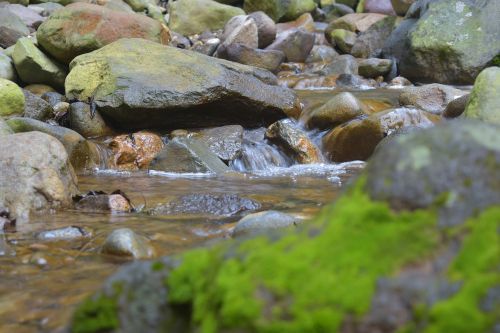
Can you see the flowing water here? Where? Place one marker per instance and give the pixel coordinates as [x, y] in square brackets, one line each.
[41, 281]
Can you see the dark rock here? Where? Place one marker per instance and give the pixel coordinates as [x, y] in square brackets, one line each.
[370, 43]
[225, 142]
[96, 202]
[456, 107]
[87, 124]
[266, 28]
[295, 44]
[35, 107]
[266, 59]
[11, 28]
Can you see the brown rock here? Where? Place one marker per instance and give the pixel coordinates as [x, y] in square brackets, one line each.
[356, 22]
[267, 59]
[305, 21]
[296, 44]
[266, 28]
[135, 151]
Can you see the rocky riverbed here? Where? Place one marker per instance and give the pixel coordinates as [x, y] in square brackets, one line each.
[250, 166]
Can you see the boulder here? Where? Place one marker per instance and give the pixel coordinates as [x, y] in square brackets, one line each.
[7, 69]
[225, 142]
[432, 98]
[344, 40]
[82, 154]
[265, 59]
[356, 22]
[134, 151]
[373, 67]
[242, 30]
[35, 107]
[339, 109]
[343, 64]
[294, 140]
[280, 10]
[454, 53]
[357, 139]
[126, 243]
[484, 102]
[189, 17]
[295, 44]
[266, 28]
[304, 21]
[11, 99]
[36, 174]
[87, 124]
[456, 107]
[186, 155]
[81, 28]
[11, 28]
[33, 66]
[369, 44]
[127, 82]
[29, 16]
[264, 222]
[322, 53]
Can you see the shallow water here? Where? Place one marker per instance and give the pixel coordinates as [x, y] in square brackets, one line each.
[42, 283]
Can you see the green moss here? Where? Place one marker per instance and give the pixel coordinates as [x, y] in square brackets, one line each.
[157, 266]
[496, 61]
[302, 283]
[97, 314]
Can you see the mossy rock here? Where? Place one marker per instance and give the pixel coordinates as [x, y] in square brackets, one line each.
[11, 99]
[332, 273]
[4, 128]
[484, 102]
[280, 10]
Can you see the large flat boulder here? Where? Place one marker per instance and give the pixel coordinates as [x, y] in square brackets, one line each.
[81, 28]
[36, 174]
[140, 84]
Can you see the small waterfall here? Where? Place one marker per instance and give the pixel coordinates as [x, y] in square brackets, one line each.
[259, 154]
[104, 154]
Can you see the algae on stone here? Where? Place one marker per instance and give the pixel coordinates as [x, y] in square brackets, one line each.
[11, 99]
[484, 102]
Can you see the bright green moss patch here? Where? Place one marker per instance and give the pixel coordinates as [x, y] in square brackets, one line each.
[303, 283]
[97, 314]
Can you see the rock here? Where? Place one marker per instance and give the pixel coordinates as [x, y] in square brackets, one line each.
[321, 53]
[11, 99]
[264, 222]
[454, 165]
[135, 151]
[29, 17]
[339, 109]
[370, 43]
[201, 91]
[357, 139]
[35, 107]
[295, 44]
[432, 98]
[126, 243]
[401, 6]
[185, 155]
[189, 17]
[225, 141]
[265, 59]
[66, 233]
[33, 66]
[294, 140]
[113, 203]
[456, 107]
[7, 70]
[36, 174]
[484, 102]
[140, 5]
[354, 81]
[53, 98]
[82, 153]
[46, 9]
[81, 28]
[39, 89]
[343, 39]
[242, 30]
[206, 47]
[266, 28]
[454, 53]
[4, 128]
[343, 64]
[373, 67]
[356, 22]
[376, 6]
[280, 10]
[11, 28]
[304, 21]
[208, 204]
[82, 121]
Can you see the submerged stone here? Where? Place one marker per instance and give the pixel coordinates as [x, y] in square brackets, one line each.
[126, 243]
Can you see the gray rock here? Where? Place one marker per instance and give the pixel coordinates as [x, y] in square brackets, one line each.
[46, 9]
[266, 28]
[322, 53]
[456, 107]
[35, 107]
[11, 28]
[484, 103]
[265, 59]
[241, 29]
[66, 233]
[264, 222]
[370, 43]
[225, 141]
[29, 16]
[7, 69]
[201, 91]
[4, 128]
[53, 98]
[36, 174]
[186, 155]
[126, 243]
[82, 121]
[343, 39]
[432, 98]
[344, 64]
[373, 67]
[207, 204]
[454, 165]
[295, 44]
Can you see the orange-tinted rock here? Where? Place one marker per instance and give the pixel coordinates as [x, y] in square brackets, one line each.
[134, 151]
[356, 22]
[304, 21]
[81, 28]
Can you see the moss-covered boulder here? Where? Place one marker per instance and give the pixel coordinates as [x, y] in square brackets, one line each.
[141, 84]
[11, 99]
[189, 17]
[33, 66]
[350, 269]
[484, 101]
[281, 10]
[81, 28]
[465, 42]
